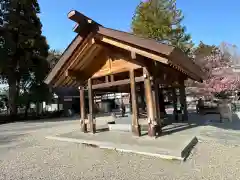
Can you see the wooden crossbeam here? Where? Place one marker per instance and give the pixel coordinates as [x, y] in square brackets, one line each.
[134, 50]
[116, 83]
[78, 75]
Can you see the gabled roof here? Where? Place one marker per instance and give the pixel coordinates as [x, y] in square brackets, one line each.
[173, 56]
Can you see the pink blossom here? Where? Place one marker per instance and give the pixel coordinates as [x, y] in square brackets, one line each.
[220, 75]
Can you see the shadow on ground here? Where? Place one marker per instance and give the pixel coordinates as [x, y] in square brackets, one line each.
[196, 120]
[226, 124]
[12, 141]
[61, 119]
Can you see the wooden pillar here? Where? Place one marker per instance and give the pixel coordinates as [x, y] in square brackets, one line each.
[150, 105]
[157, 106]
[156, 99]
[154, 102]
[130, 101]
[142, 95]
[112, 77]
[156, 93]
[58, 103]
[135, 125]
[106, 79]
[174, 98]
[91, 110]
[183, 101]
[82, 110]
[121, 98]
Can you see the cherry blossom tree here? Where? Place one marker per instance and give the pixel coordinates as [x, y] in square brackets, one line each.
[220, 77]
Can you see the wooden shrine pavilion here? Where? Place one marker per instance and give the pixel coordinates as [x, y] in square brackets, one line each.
[107, 60]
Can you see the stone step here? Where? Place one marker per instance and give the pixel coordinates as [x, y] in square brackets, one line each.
[125, 127]
[120, 127]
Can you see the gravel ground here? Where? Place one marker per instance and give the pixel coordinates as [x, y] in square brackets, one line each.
[35, 157]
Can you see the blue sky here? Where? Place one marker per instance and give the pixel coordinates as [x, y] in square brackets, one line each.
[211, 21]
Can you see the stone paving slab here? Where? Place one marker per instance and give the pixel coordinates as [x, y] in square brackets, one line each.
[224, 133]
[175, 146]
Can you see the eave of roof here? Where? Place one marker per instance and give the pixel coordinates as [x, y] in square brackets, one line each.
[65, 56]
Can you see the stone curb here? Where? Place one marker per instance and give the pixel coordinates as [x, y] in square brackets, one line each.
[189, 146]
[113, 146]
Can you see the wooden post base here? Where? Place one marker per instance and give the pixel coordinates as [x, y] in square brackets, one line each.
[158, 130]
[84, 127]
[154, 130]
[136, 130]
[151, 130]
[93, 128]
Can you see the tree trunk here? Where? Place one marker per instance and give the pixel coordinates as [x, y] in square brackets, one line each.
[37, 108]
[13, 79]
[12, 96]
[26, 110]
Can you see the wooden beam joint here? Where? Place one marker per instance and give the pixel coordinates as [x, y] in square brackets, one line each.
[77, 75]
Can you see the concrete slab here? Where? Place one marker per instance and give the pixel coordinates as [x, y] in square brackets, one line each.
[176, 146]
[177, 142]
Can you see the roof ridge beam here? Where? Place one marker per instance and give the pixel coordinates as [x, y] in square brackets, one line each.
[80, 18]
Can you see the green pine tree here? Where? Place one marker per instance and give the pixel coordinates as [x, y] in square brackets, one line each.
[23, 48]
[161, 20]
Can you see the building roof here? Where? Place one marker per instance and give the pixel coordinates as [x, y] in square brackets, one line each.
[85, 26]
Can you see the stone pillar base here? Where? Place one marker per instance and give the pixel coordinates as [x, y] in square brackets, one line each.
[136, 130]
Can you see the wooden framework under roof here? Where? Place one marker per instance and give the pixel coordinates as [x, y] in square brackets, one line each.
[104, 58]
